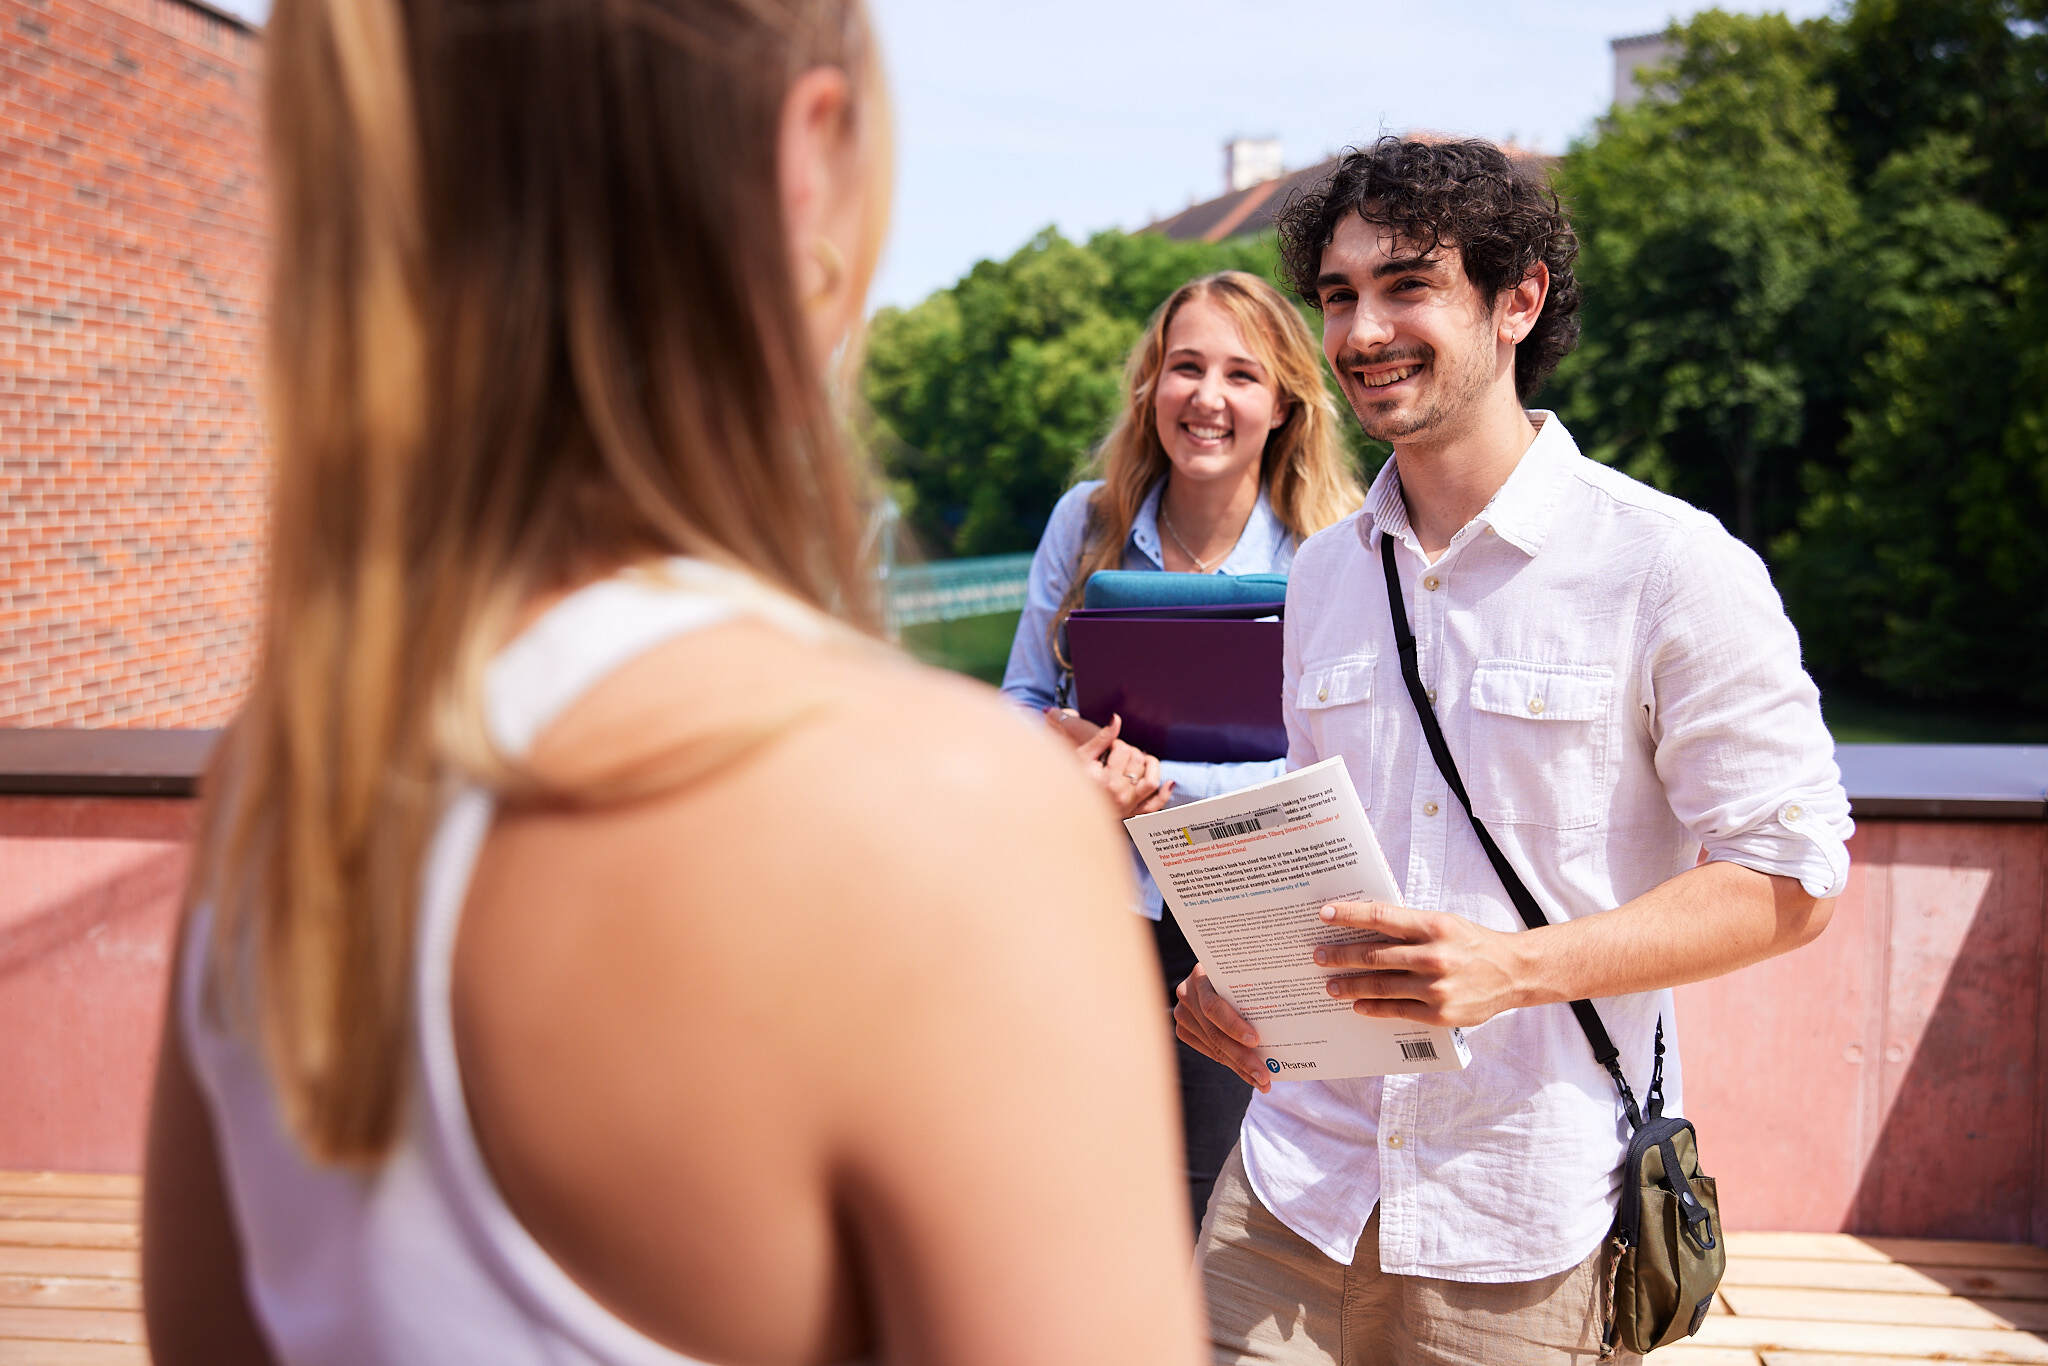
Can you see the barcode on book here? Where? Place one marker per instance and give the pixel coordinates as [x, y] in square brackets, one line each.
[1243, 825]
[1414, 1050]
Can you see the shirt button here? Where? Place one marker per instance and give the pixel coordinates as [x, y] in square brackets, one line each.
[1793, 813]
[1322, 694]
[1429, 808]
[1431, 583]
[1394, 1142]
[1536, 706]
[1430, 693]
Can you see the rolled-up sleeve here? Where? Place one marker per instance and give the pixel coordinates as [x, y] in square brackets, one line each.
[1744, 757]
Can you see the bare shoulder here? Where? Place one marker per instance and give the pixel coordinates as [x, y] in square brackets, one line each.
[910, 820]
[876, 795]
[682, 1021]
[978, 838]
[940, 767]
[862, 752]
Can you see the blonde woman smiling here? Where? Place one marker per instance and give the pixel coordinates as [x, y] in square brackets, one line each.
[1224, 458]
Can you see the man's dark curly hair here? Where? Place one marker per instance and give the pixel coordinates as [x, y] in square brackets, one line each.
[1467, 194]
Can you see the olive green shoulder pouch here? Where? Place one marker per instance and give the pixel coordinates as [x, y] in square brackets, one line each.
[1667, 1243]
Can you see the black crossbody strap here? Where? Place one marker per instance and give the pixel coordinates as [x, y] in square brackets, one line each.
[1604, 1051]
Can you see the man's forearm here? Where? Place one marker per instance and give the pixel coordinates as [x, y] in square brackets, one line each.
[1443, 969]
[1705, 922]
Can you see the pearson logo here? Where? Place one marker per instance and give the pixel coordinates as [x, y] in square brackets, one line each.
[1272, 1064]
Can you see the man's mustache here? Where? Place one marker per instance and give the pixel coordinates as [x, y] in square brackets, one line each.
[1348, 359]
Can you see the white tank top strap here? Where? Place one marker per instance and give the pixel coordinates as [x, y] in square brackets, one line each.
[568, 650]
[599, 627]
[520, 1265]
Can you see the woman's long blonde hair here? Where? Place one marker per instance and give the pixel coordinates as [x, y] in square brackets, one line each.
[532, 318]
[1308, 477]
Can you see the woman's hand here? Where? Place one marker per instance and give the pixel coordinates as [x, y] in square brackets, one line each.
[1128, 776]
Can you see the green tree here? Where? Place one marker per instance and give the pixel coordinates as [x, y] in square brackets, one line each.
[1707, 213]
[1975, 69]
[1815, 306]
[1917, 564]
[985, 392]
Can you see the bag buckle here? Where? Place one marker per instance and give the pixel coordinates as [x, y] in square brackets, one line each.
[1699, 1225]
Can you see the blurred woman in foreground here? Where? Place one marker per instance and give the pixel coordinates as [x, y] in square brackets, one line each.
[1224, 459]
[592, 957]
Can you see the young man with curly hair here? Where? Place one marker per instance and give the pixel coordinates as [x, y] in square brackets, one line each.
[1618, 685]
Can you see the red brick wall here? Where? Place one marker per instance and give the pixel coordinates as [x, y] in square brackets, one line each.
[131, 458]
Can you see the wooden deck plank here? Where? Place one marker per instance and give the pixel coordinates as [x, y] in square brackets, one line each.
[1844, 1247]
[25, 1291]
[1765, 1335]
[1889, 1278]
[67, 1233]
[70, 1325]
[90, 1208]
[21, 1353]
[1837, 1359]
[1855, 1306]
[70, 1292]
[1930, 1252]
[71, 1183]
[1694, 1354]
[118, 1263]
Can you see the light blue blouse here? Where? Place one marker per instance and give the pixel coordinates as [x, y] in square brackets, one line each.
[1266, 546]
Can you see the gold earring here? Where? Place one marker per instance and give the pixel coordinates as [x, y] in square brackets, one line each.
[834, 267]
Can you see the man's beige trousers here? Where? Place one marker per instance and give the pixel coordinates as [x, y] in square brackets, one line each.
[1274, 1298]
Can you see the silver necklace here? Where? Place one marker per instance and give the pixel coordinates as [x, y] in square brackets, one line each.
[1201, 565]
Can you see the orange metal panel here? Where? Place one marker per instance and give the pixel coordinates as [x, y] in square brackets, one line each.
[1776, 1062]
[1891, 1078]
[1962, 1069]
[87, 904]
[2039, 1231]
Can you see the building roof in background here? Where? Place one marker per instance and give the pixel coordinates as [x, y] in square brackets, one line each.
[1241, 212]
[1244, 212]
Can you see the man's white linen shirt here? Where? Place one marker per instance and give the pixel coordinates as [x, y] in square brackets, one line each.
[1620, 687]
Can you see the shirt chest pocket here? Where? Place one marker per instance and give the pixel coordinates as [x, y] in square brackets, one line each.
[1334, 702]
[1538, 749]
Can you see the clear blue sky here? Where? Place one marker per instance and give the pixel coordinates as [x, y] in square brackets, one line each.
[1091, 114]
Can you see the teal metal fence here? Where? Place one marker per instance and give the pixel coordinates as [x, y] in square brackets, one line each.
[914, 594]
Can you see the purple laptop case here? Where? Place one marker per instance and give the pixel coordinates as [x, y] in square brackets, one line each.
[1198, 684]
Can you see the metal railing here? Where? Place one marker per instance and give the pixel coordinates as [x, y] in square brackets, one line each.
[1899, 782]
[914, 594]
